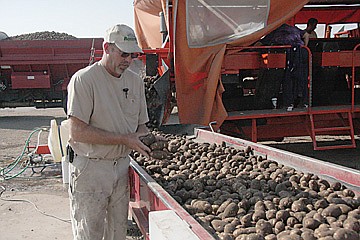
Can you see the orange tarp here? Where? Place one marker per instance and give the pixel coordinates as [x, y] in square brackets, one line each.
[147, 22]
[197, 70]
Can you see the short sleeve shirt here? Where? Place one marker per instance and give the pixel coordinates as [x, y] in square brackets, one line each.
[284, 35]
[112, 104]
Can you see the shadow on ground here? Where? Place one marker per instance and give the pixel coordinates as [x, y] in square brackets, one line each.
[344, 157]
[27, 122]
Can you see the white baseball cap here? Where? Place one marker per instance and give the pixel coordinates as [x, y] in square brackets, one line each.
[123, 37]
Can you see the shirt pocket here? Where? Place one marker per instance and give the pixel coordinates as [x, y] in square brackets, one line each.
[132, 105]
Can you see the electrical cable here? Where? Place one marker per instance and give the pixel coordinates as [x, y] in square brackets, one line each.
[28, 201]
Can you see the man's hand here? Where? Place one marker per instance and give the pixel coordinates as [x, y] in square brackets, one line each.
[133, 142]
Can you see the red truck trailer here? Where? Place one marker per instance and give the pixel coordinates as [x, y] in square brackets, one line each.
[36, 72]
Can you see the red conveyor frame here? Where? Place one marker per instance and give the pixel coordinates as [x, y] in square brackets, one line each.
[147, 195]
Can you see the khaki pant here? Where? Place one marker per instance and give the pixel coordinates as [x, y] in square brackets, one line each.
[99, 198]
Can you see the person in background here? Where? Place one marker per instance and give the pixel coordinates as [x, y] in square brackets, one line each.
[107, 115]
[295, 77]
[309, 31]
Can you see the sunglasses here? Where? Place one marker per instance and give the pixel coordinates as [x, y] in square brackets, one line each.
[133, 55]
[125, 54]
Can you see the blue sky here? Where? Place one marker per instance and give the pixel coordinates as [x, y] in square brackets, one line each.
[80, 18]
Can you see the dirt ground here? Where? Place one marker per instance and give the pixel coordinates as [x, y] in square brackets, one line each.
[35, 204]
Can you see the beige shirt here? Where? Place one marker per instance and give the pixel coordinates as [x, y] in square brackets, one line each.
[98, 99]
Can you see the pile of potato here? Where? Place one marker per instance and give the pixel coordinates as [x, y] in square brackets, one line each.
[154, 103]
[152, 100]
[235, 194]
[45, 35]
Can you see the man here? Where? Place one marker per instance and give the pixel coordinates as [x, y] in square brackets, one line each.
[309, 31]
[107, 115]
[295, 78]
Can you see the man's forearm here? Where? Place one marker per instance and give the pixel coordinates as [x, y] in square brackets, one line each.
[82, 132]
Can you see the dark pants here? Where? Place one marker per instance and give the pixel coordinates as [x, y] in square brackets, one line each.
[295, 85]
[268, 87]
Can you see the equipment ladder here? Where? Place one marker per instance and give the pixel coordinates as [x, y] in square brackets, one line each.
[95, 55]
[347, 127]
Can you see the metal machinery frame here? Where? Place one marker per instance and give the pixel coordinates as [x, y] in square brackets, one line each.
[147, 195]
[318, 119]
[277, 123]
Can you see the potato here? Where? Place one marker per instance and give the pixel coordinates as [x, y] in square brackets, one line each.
[263, 227]
[314, 185]
[291, 221]
[148, 139]
[230, 228]
[231, 210]
[159, 154]
[246, 220]
[299, 215]
[323, 231]
[258, 214]
[307, 235]
[352, 224]
[154, 168]
[299, 205]
[224, 204]
[336, 186]
[255, 236]
[159, 145]
[218, 225]
[279, 227]
[346, 234]
[310, 223]
[270, 214]
[202, 206]
[287, 235]
[271, 237]
[322, 203]
[285, 203]
[319, 217]
[282, 215]
[332, 210]
[226, 236]
[348, 193]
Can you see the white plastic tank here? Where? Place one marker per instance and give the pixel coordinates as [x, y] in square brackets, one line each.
[57, 141]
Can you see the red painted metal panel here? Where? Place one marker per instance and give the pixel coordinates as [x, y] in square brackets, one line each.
[328, 15]
[253, 60]
[249, 60]
[280, 123]
[336, 59]
[40, 149]
[30, 80]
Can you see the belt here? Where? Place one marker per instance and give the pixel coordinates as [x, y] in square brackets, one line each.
[102, 159]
